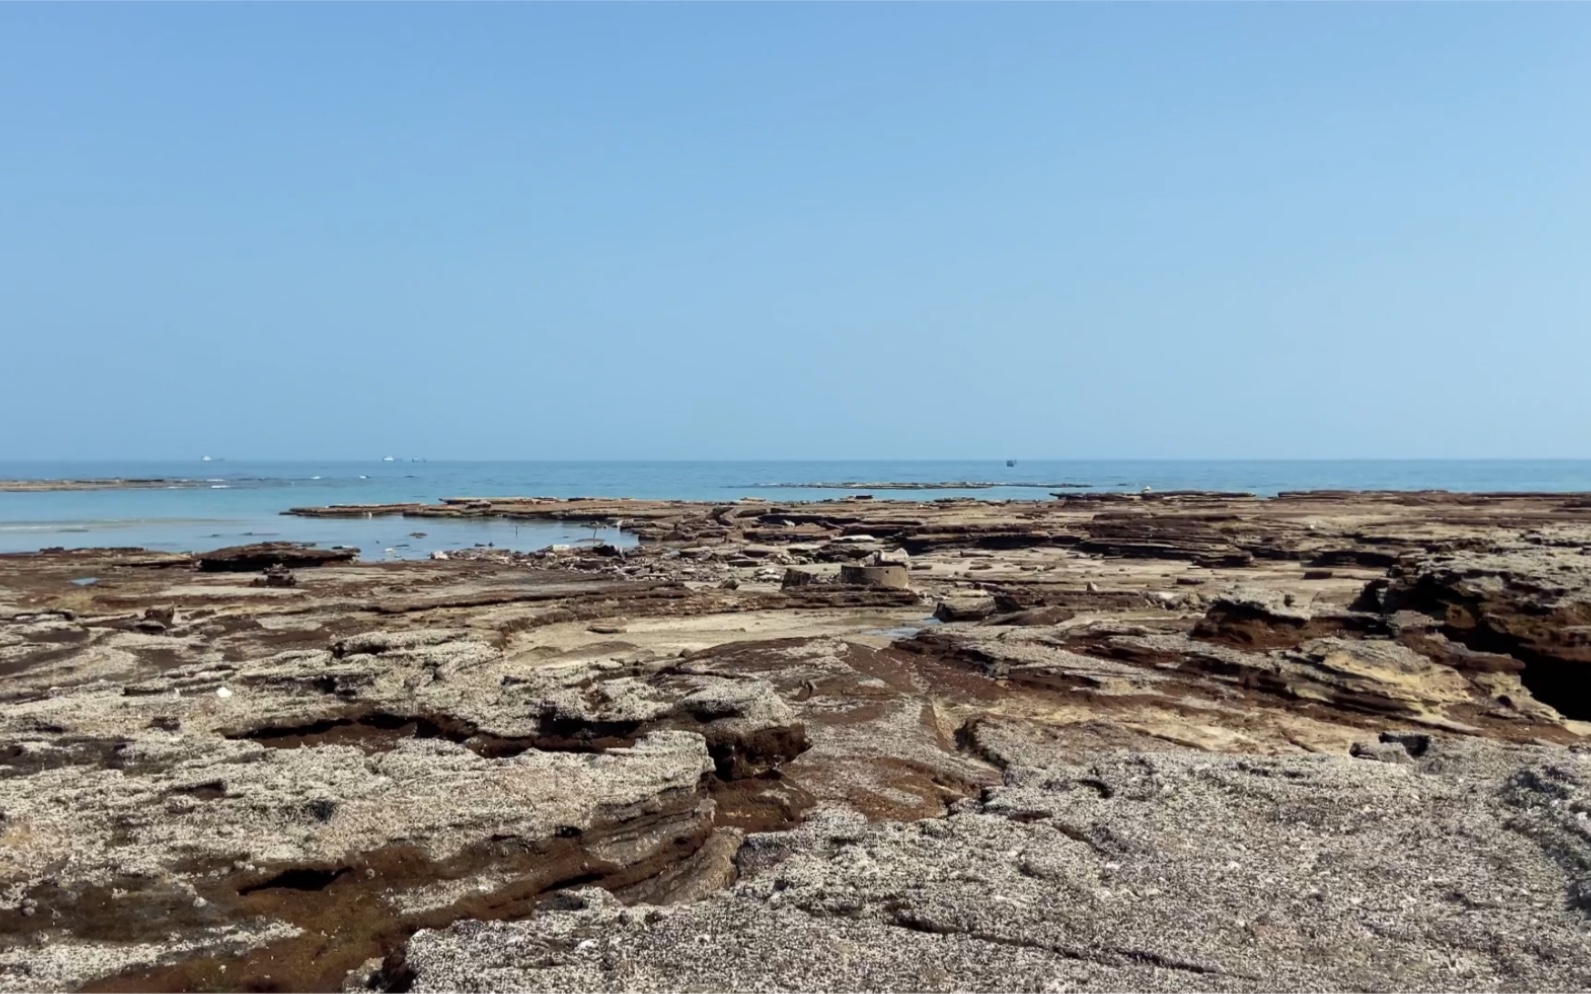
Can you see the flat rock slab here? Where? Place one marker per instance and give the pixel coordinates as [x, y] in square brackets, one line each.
[254, 558]
[1148, 871]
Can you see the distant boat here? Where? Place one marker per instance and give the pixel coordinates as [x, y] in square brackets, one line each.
[389, 459]
[205, 459]
[1010, 462]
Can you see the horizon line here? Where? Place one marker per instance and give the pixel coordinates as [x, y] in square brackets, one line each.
[853, 459]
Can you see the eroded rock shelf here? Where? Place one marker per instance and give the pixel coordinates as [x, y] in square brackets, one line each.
[1128, 742]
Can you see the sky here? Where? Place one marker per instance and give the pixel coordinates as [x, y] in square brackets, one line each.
[768, 231]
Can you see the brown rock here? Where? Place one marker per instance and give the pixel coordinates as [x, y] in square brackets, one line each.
[276, 576]
[798, 578]
[965, 607]
[256, 557]
[1533, 605]
[889, 577]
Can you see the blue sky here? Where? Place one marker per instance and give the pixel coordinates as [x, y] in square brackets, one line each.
[795, 231]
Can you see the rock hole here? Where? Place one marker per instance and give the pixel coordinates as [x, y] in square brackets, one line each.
[1563, 686]
[1414, 743]
[300, 878]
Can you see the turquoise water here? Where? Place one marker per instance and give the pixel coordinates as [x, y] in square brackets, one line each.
[239, 502]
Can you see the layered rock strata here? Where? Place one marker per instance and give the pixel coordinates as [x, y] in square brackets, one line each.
[1190, 741]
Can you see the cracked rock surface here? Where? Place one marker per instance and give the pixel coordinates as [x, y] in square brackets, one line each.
[1463, 868]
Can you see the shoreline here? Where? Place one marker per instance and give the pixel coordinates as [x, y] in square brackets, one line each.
[1067, 518]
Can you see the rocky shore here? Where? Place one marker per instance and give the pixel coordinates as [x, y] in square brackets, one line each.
[1129, 742]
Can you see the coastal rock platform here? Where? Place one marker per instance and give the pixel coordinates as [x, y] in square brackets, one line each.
[1149, 742]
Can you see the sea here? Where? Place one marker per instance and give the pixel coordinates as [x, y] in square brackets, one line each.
[223, 502]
